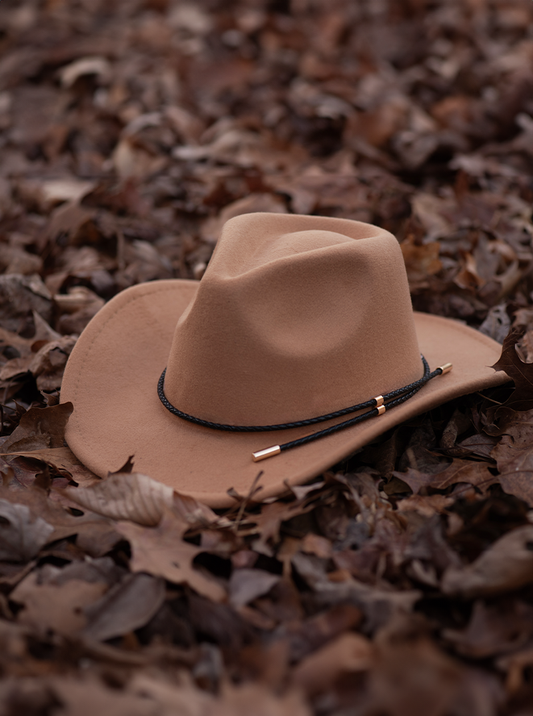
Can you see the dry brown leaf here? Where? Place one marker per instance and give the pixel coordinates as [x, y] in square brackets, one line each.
[125, 607]
[19, 296]
[186, 699]
[467, 471]
[245, 585]
[63, 461]
[518, 371]
[487, 634]
[21, 534]
[310, 634]
[134, 162]
[49, 363]
[514, 455]
[413, 676]
[95, 532]
[421, 261]
[98, 66]
[348, 654]
[16, 260]
[15, 367]
[55, 606]
[162, 552]
[8, 338]
[39, 428]
[183, 698]
[56, 191]
[504, 566]
[89, 697]
[124, 496]
[259, 700]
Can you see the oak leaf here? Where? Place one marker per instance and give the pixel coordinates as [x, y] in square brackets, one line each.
[161, 551]
[521, 373]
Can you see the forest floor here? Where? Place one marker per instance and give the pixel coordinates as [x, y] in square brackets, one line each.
[400, 583]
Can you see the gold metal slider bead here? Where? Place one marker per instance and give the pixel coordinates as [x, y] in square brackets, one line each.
[381, 409]
[446, 368]
[267, 452]
[379, 400]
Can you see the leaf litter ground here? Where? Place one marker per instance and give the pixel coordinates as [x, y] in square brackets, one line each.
[400, 582]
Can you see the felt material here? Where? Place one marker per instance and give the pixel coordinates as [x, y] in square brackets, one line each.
[296, 316]
[285, 303]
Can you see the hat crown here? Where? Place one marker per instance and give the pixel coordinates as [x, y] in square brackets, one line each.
[296, 316]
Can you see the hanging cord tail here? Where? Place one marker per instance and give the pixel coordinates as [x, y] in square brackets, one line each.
[382, 404]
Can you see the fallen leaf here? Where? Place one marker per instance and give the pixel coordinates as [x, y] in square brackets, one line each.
[259, 700]
[504, 566]
[50, 192]
[162, 552]
[514, 456]
[98, 66]
[53, 606]
[39, 428]
[378, 604]
[125, 607]
[21, 537]
[345, 656]
[497, 323]
[89, 696]
[94, 531]
[19, 296]
[488, 635]
[49, 363]
[518, 371]
[181, 697]
[245, 585]
[61, 460]
[426, 505]
[458, 471]
[421, 261]
[123, 496]
[412, 675]
[308, 635]
[134, 162]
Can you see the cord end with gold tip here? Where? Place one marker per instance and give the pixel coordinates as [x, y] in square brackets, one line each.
[267, 452]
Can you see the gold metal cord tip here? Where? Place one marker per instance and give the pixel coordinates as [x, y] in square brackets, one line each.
[381, 409]
[446, 368]
[267, 452]
[379, 400]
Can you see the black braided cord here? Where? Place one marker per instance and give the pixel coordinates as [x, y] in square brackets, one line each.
[395, 397]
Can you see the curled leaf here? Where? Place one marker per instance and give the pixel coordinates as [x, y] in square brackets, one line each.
[125, 607]
[506, 565]
[21, 538]
[121, 496]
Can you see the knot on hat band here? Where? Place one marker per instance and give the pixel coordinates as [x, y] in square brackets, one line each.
[379, 405]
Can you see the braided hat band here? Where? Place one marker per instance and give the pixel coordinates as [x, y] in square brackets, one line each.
[378, 406]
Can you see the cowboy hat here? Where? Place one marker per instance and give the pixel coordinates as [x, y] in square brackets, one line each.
[299, 344]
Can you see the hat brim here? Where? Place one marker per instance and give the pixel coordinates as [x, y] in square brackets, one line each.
[111, 379]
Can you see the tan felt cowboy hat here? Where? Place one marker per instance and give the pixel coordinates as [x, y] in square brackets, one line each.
[299, 324]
